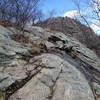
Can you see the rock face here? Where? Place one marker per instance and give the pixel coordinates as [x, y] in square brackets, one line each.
[58, 80]
[9, 48]
[52, 66]
[75, 29]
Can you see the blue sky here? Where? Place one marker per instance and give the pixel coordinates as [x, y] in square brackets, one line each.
[65, 8]
[61, 6]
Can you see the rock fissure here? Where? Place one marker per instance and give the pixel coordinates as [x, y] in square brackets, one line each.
[19, 84]
[89, 71]
[53, 87]
[87, 67]
[53, 67]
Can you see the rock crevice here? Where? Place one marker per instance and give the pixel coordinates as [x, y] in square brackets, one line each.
[53, 67]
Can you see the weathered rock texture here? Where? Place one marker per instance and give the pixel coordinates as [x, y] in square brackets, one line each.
[51, 66]
[74, 28]
[58, 80]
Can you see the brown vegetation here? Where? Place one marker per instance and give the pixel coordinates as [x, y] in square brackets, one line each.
[36, 47]
[20, 38]
[6, 23]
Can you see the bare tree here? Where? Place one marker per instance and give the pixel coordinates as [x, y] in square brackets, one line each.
[38, 16]
[20, 12]
[51, 13]
[89, 14]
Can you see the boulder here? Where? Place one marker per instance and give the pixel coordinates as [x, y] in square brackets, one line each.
[58, 80]
[58, 67]
[85, 54]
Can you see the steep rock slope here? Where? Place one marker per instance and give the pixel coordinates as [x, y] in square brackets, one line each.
[48, 66]
[74, 28]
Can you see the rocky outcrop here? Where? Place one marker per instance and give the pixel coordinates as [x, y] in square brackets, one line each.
[75, 29]
[58, 80]
[9, 48]
[52, 66]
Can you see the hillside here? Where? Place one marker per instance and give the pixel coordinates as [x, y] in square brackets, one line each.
[42, 65]
[75, 29]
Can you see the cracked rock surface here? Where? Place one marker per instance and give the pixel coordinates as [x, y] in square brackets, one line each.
[59, 68]
[59, 80]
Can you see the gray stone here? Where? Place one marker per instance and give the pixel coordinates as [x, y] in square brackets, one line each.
[60, 77]
[85, 54]
[5, 81]
[96, 88]
[10, 48]
[60, 82]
